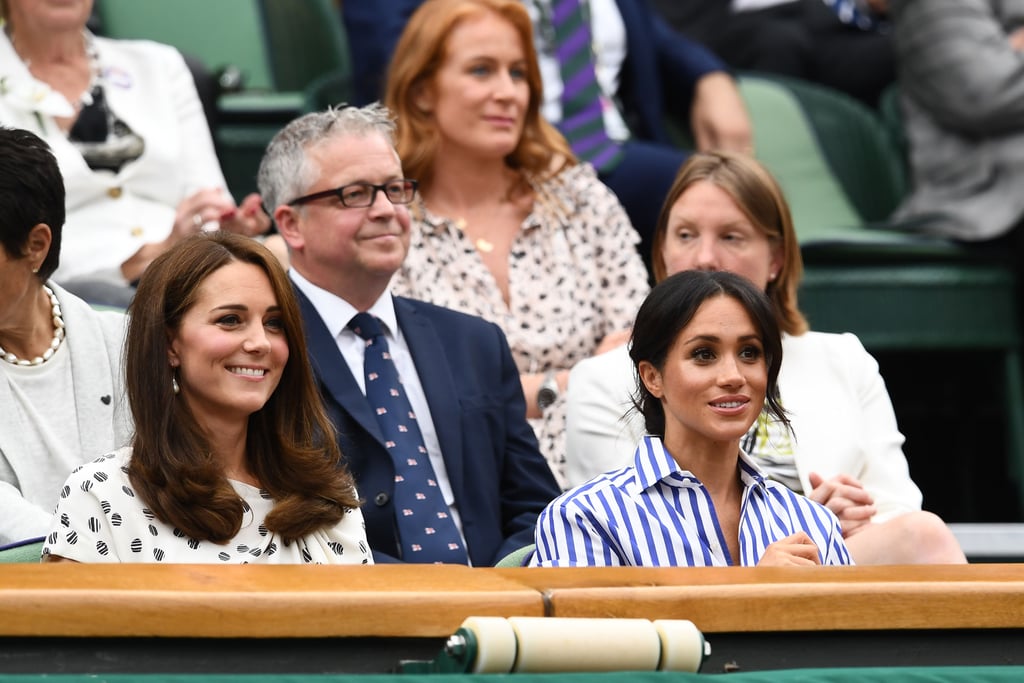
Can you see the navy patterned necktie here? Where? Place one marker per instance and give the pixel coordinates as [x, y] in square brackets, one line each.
[426, 529]
[582, 100]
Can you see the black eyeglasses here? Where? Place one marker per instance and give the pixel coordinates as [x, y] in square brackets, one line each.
[361, 195]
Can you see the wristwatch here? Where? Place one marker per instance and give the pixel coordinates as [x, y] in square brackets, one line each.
[548, 392]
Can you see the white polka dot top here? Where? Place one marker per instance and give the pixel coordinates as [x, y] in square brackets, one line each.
[99, 518]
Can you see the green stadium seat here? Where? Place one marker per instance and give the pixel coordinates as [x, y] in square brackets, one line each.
[842, 170]
[220, 33]
[517, 557]
[28, 550]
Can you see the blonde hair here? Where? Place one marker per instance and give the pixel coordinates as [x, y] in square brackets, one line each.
[760, 198]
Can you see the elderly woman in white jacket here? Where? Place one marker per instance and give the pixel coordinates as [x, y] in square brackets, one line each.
[128, 130]
[725, 212]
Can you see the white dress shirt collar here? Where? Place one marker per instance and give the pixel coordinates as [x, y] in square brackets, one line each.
[336, 312]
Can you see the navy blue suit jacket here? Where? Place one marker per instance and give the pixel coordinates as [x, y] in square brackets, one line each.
[658, 77]
[660, 73]
[500, 480]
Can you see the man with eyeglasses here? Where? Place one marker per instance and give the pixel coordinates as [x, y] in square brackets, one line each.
[426, 401]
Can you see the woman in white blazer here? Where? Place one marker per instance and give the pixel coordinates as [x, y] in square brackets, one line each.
[128, 130]
[726, 212]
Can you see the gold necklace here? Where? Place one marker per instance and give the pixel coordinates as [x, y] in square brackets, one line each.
[481, 243]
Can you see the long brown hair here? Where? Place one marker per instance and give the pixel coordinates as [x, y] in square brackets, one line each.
[290, 441]
[420, 52]
[760, 198]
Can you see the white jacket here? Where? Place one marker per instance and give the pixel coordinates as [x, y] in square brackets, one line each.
[842, 418]
[109, 216]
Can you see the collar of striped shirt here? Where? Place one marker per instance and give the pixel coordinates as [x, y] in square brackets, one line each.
[654, 464]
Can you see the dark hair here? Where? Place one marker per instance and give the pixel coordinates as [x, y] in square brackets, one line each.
[760, 198]
[420, 52]
[291, 446]
[31, 192]
[669, 308]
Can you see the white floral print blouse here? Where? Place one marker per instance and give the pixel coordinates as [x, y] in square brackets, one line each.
[574, 276]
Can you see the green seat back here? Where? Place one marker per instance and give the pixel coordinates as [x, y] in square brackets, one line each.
[785, 142]
[838, 169]
[28, 552]
[219, 33]
[516, 557]
[890, 112]
[857, 146]
[306, 42]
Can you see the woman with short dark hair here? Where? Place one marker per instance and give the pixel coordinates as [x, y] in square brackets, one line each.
[60, 361]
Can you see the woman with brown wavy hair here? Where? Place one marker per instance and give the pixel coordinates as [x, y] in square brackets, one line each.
[233, 459]
[509, 226]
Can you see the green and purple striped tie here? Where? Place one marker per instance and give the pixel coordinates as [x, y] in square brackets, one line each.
[582, 100]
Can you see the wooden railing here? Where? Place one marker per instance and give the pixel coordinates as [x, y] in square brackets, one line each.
[432, 601]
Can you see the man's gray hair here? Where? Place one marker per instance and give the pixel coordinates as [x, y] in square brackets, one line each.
[286, 172]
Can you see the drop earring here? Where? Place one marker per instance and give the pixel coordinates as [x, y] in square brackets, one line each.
[174, 385]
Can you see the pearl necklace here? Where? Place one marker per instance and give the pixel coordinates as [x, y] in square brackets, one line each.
[58, 336]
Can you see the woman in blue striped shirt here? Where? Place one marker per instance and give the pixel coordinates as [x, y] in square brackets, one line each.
[707, 349]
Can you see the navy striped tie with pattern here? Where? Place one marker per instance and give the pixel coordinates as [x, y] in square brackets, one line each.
[582, 100]
[428, 533]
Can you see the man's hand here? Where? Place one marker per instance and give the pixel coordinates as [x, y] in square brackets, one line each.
[718, 116]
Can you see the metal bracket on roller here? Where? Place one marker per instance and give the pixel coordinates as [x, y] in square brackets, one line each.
[457, 656]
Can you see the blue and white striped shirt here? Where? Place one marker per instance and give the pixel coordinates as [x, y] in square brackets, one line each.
[654, 514]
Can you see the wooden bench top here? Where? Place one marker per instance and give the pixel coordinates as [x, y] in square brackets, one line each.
[432, 601]
[746, 599]
[252, 600]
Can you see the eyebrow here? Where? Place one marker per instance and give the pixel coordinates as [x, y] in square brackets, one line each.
[489, 57]
[364, 181]
[717, 339]
[242, 307]
[683, 221]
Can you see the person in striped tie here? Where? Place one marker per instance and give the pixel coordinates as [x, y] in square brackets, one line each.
[615, 75]
[706, 349]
